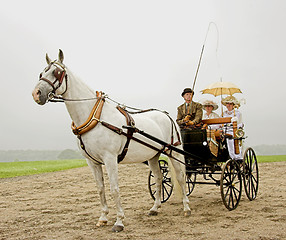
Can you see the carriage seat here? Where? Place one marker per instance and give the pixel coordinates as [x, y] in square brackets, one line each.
[212, 121]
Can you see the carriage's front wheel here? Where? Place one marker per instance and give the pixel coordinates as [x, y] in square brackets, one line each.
[167, 186]
[231, 184]
[250, 174]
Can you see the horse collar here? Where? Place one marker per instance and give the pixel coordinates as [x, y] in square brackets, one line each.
[93, 118]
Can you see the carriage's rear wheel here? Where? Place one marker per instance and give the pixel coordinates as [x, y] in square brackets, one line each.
[190, 182]
[250, 174]
[167, 186]
[231, 184]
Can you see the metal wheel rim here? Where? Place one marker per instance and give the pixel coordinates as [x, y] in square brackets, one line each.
[231, 184]
[190, 182]
[250, 174]
[167, 187]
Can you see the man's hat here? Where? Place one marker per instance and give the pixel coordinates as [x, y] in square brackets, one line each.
[187, 90]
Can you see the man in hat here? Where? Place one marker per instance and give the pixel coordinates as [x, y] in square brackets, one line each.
[189, 113]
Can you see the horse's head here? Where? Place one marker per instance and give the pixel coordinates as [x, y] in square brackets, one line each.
[53, 80]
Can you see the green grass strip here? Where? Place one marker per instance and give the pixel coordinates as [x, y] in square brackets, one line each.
[272, 158]
[14, 169]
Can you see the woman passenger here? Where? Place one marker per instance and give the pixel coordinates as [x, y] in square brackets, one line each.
[232, 105]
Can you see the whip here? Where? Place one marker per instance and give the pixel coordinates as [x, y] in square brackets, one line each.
[200, 59]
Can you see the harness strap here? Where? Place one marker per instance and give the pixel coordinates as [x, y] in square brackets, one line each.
[121, 132]
[163, 150]
[130, 131]
[83, 148]
[93, 118]
[89, 124]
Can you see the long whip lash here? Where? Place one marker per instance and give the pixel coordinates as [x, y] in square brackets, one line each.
[200, 59]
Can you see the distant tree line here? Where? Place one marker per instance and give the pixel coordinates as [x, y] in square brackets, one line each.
[277, 149]
[38, 155]
[41, 155]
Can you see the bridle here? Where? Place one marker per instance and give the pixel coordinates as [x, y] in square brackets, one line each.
[59, 73]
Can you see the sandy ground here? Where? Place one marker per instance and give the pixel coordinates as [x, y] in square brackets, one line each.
[65, 205]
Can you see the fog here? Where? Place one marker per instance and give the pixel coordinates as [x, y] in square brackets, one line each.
[142, 54]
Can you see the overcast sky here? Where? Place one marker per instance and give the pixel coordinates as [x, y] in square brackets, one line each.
[143, 54]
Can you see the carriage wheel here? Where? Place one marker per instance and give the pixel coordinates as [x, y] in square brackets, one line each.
[167, 187]
[190, 182]
[250, 174]
[231, 184]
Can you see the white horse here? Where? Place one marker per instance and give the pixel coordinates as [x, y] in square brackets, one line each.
[99, 144]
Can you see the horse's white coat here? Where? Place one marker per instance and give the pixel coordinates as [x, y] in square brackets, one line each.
[105, 145]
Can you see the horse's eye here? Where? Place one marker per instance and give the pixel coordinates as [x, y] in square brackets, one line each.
[57, 73]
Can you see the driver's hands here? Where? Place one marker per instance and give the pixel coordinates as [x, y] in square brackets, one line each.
[189, 123]
[187, 118]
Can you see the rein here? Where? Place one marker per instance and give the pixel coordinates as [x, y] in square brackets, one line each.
[55, 98]
[94, 119]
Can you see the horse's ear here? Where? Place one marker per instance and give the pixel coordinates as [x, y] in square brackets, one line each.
[48, 59]
[61, 56]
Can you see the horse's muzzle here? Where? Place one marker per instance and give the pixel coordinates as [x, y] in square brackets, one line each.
[38, 96]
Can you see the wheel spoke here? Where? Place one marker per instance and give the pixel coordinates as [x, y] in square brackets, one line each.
[166, 191]
[235, 191]
[230, 184]
[253, 187]
[230, 201]
[167, 184]
[250, 177]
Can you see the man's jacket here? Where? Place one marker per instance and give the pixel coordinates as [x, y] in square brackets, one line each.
[195, 111]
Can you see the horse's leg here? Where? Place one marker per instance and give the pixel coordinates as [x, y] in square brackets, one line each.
[181, 178]
[112, 171]
[154, 166]
[96, 170]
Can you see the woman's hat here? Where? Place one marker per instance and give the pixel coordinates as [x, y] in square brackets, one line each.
[210, 103]
[187, 90]
[231, 99]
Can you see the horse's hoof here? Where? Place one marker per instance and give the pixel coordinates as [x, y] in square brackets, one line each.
[187, 213]
[153, 213]
[101, 223]
[117, 228]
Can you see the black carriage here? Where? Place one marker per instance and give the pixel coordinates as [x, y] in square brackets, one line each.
[211, 160]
